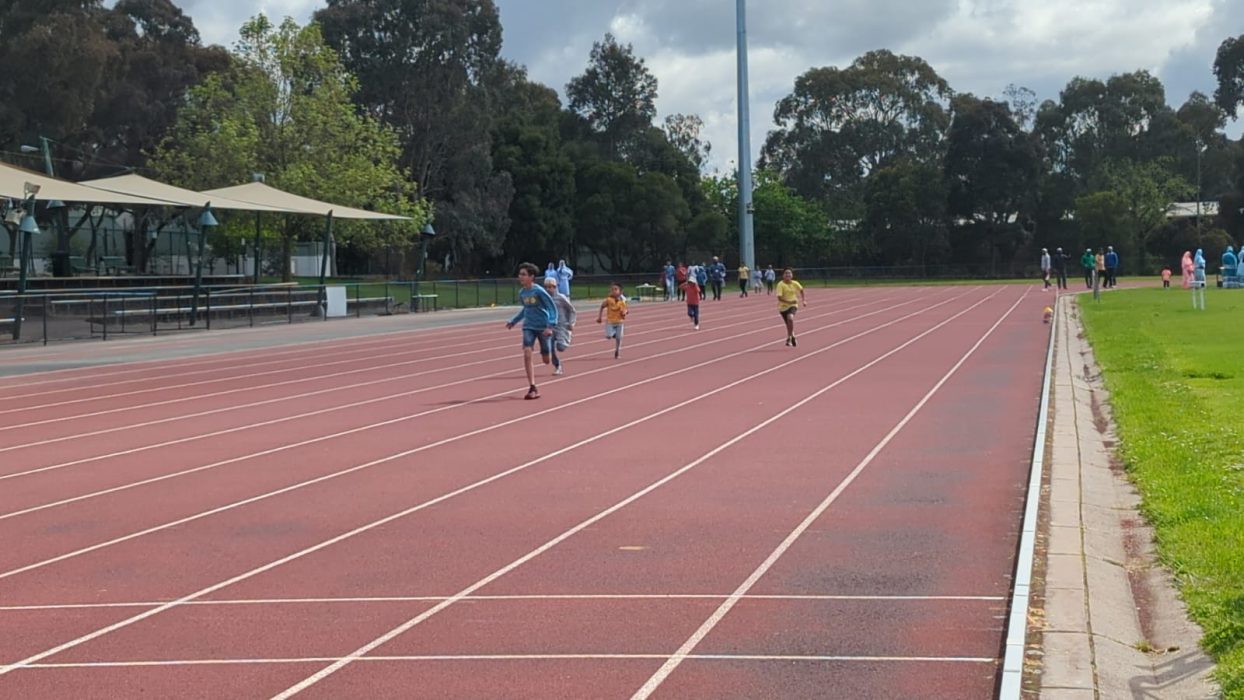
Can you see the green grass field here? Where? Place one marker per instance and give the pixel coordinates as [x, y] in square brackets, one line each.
[1176, 377]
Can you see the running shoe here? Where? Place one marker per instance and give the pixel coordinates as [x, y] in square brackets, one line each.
[792, 341]
[532, 393]
[559, 371]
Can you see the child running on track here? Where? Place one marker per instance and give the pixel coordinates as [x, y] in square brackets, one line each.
[790, 297]
[565, 323]
[615, 305]
[539, 317]
[693, 301]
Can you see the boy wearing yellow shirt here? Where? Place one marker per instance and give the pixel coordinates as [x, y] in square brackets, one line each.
[614, 306]
[790, 297]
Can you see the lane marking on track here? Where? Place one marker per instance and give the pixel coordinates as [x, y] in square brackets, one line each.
[296, 346]
[517, 657]
[746, 318]
[299, 368]
[288, 446]
[475, 485]
[411, 623]
[698, 636]
[518, 597]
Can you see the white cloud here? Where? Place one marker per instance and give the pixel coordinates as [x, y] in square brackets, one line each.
[979, 46]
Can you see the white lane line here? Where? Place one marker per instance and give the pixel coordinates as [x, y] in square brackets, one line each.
[1011, 687]
[746, 318]
[480, 483]
[367, 350]
[163, 477]
[407, 453]
[294, 347]
[469, 590]
[517, 657]
[518, 597]
[698, 636]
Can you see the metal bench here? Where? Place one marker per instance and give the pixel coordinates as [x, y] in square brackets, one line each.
[420, 302]
[116, 263]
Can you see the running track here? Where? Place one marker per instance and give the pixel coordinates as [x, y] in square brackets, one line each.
[714, 515]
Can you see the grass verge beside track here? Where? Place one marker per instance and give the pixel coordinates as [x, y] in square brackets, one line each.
[1176, 378]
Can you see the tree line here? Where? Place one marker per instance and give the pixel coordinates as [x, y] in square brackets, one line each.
[408, 106]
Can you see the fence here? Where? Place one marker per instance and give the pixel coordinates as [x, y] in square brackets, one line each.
[48, 316]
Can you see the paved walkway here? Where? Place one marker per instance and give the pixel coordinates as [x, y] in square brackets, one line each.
[1112, 625]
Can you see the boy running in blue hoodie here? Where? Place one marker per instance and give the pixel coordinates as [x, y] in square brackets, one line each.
[539, 317]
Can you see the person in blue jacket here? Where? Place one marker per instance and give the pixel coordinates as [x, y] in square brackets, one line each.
[1112, 267]
[539, 317]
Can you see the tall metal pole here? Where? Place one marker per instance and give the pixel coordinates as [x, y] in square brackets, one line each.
[747, 254]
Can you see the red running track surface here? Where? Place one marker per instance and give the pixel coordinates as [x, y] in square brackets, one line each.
[713, 515]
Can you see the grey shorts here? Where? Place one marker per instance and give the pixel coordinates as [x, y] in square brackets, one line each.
[613, 330]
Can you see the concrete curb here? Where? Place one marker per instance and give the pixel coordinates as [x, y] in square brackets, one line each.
[1108, 622]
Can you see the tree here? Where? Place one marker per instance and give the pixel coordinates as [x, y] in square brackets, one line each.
[683, 132]
[102, 83]
[1143, 193]
[431, 70]
[1101, 217]
[616, 94]
[789, 229]
[839, 125]
[1229, 69]
[991, 171]
[905, 215]
[285, 109]
[527, 146]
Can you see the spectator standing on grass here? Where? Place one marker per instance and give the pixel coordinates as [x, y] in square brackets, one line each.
[566, 316]
[1187, 268]
[692, 292]
[613, 311]
[1112, 266]
[564, 275]
[1198, 280]
[1089, 263]
[717, 276]
[539, 317]
[550, 271]
[1060, 267]
[790, 296]
[1228, 260]
[1166, 277]
[1045, 268]
[1099, 267]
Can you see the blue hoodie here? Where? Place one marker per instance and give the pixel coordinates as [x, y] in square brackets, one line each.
[538, 312]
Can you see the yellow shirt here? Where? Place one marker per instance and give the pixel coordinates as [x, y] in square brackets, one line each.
[788, 294]
[743, 272]
[614, 310]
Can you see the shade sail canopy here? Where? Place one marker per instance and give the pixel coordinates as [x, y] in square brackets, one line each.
[259, 193]
[13, 180]
[139, 186]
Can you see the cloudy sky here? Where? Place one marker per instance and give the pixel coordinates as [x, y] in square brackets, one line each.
[978, 46]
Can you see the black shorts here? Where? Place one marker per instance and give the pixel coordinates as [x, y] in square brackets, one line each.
[787, 313]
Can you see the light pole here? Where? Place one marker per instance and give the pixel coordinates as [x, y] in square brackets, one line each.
[1199, 147]
[206, 221]
[28, 228]
[747, 253]
[421, 270]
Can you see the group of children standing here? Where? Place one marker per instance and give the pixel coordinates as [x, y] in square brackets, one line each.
[548, 317]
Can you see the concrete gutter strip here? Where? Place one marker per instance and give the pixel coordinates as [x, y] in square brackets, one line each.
[1111, 624]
